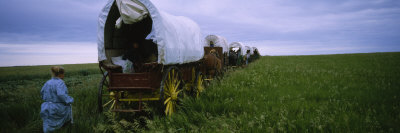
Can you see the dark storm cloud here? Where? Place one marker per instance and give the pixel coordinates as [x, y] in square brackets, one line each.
[328, 26]
[48, 20]
[73, 20]
[357, 20]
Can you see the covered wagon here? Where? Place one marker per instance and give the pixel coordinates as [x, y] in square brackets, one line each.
[146, 54]
[255, 54]
[236, 54]
[248, 53]
[220, 45]
[248, 49]
[217, 41]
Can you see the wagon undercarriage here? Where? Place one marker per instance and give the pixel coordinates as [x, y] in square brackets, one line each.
[119, 92]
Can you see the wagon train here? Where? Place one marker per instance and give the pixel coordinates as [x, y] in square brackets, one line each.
[149, 55]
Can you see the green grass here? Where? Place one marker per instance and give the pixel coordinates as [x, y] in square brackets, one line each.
[40, 72]
[321, 93]
[20, 94]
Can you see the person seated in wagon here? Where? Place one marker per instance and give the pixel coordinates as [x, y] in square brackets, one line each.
[134, 23]
[136, 55]
[212, 44]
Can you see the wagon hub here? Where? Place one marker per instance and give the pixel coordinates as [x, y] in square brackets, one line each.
[112, 95]
[174, 96]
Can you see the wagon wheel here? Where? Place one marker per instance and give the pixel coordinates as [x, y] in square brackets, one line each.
[171, 89]
[105, 100]
[199, 84]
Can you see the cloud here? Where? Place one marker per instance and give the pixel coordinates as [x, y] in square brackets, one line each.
[272, 47]
[72, 20]
[48, 20]
[287, 19]
[46, 53]
[279, 27]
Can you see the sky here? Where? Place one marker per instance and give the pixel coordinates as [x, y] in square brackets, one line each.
[42, 32]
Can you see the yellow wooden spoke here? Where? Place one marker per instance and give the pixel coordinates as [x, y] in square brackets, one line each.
[113, 104]
[167, 108]
[168, 99]
[171, 108]
[179, 91]
[177, 85]
[170, 88]
[104, 105]
[193, 74]
[199, 85]
[169, 78]
[167, 90]
[172, 78]
[167, 94]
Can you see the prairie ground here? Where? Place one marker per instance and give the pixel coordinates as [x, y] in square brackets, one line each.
[319, 93]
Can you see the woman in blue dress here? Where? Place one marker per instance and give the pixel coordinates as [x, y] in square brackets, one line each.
[56, 108]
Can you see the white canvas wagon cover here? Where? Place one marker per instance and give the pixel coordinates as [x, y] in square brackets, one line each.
[178, 38]
[218, 41]
[238, 45]
[249, 48]
[254, 49]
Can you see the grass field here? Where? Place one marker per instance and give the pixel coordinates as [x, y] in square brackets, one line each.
[20, 96]
[321, 93]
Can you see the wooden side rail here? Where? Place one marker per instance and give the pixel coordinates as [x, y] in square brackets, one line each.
[130, 81]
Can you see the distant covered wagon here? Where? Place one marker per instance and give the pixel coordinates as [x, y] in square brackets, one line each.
[248, 49]
[220, 45]
[146, 55]
[236, 54]
[217, 41]
[248, 53]
[255, 54]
